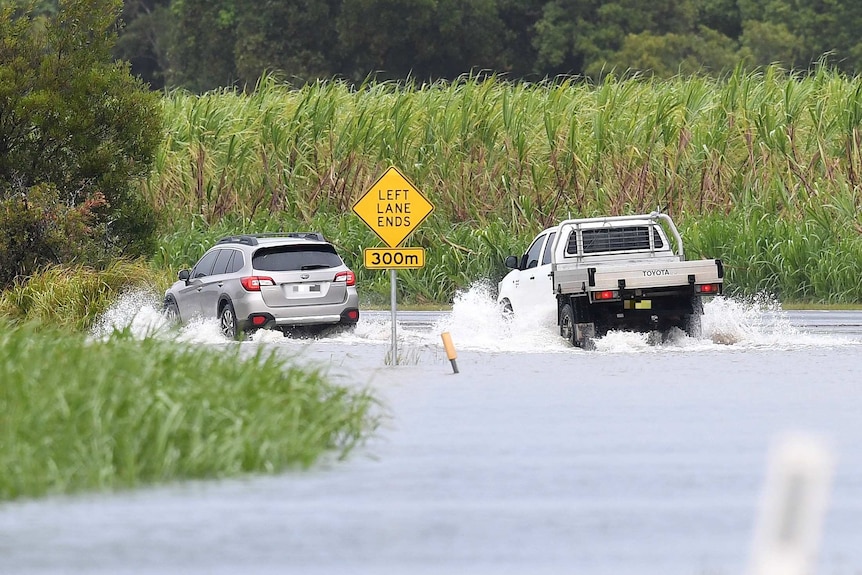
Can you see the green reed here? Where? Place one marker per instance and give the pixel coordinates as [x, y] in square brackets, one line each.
[85, 415]
[496, 155]
[74, 297]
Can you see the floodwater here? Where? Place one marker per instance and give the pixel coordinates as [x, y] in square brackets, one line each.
[535, 458]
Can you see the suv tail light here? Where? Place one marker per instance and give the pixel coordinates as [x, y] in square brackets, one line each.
[254, 283]
[349, 277]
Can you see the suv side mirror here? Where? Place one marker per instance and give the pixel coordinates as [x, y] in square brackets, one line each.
[511, 262]
[184, 275]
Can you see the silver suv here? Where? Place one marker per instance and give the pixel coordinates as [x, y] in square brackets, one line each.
[267, 281]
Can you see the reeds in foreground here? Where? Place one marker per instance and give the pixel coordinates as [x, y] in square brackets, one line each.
[84, 415]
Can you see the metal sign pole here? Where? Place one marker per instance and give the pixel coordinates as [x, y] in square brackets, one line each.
[393, 278]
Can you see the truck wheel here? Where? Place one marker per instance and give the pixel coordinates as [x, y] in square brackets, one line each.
[570, 332]
[567, 324]
[693, 326]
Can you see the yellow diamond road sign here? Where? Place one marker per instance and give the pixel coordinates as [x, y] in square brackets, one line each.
[393, 207]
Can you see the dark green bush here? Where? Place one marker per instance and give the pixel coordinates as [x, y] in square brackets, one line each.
[78, 133]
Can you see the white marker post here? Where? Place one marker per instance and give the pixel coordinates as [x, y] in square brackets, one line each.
[794, 502]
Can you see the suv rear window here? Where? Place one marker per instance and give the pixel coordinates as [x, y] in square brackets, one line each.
[295, 258]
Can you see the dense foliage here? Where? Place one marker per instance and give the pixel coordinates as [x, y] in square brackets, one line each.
[771, 160]
[76, 133]
[75, 297]
[206, 44]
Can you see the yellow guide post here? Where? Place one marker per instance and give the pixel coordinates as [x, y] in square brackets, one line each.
[450, 350]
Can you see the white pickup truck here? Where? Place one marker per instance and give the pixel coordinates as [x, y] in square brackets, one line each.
[620, 272]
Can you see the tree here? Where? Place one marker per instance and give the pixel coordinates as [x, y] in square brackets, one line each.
[519, 18]
[768, 43]
[77, 132]
[144, 40]
[581, 36]
[562, 36]
[723, 16]
[425, 39]
[293, 38]
[670, 54]
[809, 29]
[203, 43]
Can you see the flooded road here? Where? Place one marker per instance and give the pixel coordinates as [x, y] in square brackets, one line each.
[535, 458]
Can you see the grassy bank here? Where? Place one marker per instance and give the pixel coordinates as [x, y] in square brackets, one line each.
[81, 415]
[74, 297]
[752, 153]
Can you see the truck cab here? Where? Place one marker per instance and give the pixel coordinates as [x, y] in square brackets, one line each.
[615, 272]
[528, 288]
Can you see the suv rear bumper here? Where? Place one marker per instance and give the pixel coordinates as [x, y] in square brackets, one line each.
[348, 316]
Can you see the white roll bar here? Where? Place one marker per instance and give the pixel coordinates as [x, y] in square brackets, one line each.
[652, 216]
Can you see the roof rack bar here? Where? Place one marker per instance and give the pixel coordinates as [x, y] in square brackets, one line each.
[252, 239]
[241, 239]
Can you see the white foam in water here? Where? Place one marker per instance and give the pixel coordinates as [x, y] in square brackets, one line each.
[756, 322]
[476, 323]
[134, 311]
[730, 321]
[139, 312]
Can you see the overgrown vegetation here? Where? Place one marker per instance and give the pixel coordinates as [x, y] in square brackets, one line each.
[77, 132]
[762, 169]
[119, 413]
[74, 297]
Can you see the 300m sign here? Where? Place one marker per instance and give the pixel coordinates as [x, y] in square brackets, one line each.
[394, 258]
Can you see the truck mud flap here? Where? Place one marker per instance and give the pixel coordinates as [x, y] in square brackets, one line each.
[585, 333]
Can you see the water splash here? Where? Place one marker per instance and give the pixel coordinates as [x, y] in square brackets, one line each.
[476, 323]
[135, 311]
[139, 312]
[758, 320]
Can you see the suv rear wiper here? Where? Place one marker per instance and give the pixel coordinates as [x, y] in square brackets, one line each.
[314, 267]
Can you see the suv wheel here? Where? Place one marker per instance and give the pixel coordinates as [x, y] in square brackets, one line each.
[227, 321]
[171, 310]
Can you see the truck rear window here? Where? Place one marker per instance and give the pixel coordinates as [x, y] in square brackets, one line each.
[630, 238]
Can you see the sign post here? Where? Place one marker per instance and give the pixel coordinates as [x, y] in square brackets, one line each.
[393, 207]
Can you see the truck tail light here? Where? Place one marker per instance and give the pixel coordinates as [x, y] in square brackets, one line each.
[606, 295]
[708, 288]
[254, 283]
[349, 277]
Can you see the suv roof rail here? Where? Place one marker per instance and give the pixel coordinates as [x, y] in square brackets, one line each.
[247, 240]
[252, 239]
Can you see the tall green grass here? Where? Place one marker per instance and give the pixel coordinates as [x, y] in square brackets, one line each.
[497, 155]
[811, 259]
[85, 415]
[74, 297]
